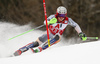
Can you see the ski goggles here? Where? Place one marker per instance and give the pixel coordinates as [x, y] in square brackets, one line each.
[62, 15]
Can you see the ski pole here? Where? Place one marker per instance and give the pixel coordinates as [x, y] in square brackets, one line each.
[52, 21]
[96, 38]
[26, 32]
[90, 39]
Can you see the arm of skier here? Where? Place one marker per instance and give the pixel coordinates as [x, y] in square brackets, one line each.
[51, 20]
[81, 34]
[78, 29]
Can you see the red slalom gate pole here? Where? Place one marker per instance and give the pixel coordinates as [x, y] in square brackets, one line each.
[46, 22]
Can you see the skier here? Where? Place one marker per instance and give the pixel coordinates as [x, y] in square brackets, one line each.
[55, 32]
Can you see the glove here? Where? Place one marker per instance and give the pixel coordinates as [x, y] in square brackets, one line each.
[82, 36]
[52, 21]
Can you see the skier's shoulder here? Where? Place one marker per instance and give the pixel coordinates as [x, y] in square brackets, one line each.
[50, 17]
[70, 20]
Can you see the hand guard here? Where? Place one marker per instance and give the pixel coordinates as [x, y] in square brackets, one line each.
[82, 36]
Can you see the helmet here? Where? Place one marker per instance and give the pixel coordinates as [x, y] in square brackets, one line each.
[61, 11]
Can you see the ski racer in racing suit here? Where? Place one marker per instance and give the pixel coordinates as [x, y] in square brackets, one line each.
[55, 32]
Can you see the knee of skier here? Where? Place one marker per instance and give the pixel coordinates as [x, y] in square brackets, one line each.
[35, 44]
[44, 38]
[39, 42]
[58, 37]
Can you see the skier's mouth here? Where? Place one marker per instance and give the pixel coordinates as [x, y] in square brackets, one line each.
[60, 18]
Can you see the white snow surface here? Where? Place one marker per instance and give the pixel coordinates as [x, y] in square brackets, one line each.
[60, 53]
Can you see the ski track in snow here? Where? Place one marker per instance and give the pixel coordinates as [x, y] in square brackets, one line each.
[9, 30]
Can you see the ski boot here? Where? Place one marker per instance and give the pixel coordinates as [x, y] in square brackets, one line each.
[39, 49]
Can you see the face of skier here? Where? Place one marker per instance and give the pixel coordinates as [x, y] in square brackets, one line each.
[60, 18]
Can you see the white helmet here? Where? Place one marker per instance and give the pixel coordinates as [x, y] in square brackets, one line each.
[61, 10]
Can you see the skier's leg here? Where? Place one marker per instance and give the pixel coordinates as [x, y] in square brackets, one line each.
[44, 38]
[54, 40]
[44, 46]
[25, 48]
[38, 42]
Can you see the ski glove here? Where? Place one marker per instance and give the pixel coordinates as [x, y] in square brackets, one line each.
[82, 36]
[52, 21]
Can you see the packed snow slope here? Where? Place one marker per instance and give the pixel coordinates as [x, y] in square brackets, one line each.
[86, 53]
[61, 53]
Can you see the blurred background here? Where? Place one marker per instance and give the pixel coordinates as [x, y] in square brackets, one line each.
[85, 12]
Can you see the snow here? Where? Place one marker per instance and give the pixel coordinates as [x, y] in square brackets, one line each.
[87, 53]
[84, 53]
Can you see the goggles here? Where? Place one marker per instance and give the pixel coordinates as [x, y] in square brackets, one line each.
[62, 15]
